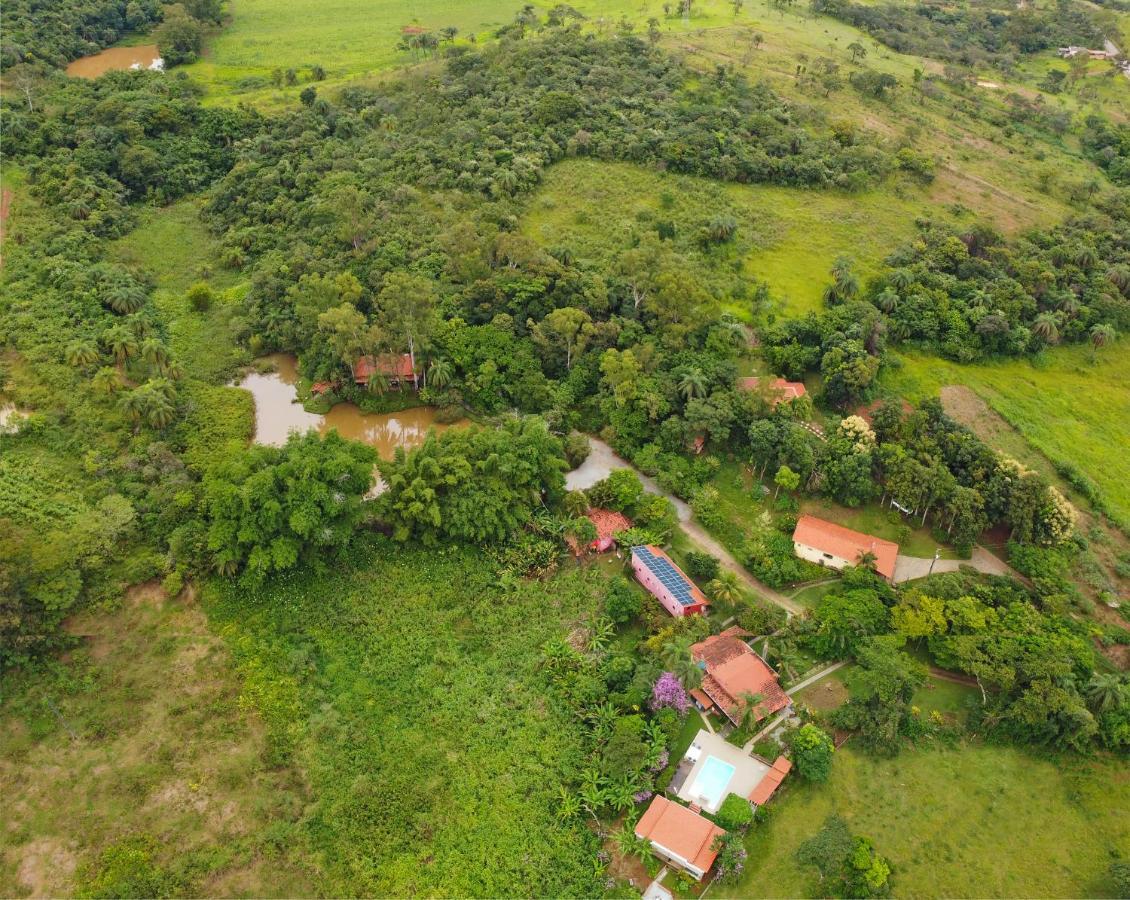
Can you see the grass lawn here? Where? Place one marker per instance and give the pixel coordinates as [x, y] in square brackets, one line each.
[972, 821]
[1067, 406]
[812, 595]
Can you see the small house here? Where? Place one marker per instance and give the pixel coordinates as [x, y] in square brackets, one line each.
[779, 390]
[832, 545]
[397, 369]
[669, 584]
[679, 836]
[733, 674]
[771, 781]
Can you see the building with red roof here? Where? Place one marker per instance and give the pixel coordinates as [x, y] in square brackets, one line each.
[679, 836]
[779, 390]
[772, 780]
[829, 544]
[397, 368]
[669, 584]
[734, 672]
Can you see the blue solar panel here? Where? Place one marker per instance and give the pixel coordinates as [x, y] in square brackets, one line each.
[670, 577]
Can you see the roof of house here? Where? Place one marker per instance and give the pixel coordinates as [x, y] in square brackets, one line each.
[701, 698]
[677, 829]
[320, 387]
[845, 543]
[718, 648]
[728, 683]
[389, 364]
[608, 521]
[670, 575]
[783, 390]
[771, 781]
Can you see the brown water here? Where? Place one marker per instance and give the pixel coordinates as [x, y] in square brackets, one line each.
[277, 414]
[113, 59]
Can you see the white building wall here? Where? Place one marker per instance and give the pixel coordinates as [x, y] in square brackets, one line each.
[819, 556]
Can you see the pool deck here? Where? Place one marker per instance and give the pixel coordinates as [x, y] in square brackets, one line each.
[748, 771]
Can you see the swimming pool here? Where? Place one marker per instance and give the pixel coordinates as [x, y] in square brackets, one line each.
[711, 783]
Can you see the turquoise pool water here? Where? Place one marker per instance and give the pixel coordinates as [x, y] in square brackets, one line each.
[712, 781]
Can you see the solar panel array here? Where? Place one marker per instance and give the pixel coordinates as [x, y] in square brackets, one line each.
[670, 577]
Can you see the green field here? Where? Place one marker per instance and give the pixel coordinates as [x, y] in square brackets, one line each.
[972, 821]
[1067, 406]
[787, 237]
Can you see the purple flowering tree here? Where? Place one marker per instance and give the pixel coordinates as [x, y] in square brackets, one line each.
[668, 690]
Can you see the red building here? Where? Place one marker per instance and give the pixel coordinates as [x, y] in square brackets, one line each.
[657, 572]
[680, 836]
[608, 524]
[832, 545]
[733, 673]
[396, 368]
[779, 390]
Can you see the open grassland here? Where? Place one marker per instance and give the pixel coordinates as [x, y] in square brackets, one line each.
[135, 769]
[787, 237]
[1068, 406]
[971, 821]
[408, 688]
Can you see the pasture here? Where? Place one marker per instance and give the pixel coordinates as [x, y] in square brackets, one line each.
[1069, 403]
[965, 821]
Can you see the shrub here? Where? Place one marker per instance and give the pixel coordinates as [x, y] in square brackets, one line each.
[200, 297]
[701, 566]
[735, 813]
[173, 584]
[622, 603]
[577, 448]
[812, 752]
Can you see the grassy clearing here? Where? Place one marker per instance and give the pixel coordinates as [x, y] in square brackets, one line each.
[1067, 406]
[949, 821]
[141, 738]
[788, 237]
[408, 688]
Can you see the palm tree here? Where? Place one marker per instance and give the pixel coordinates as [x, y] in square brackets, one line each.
[1046, 326]
[159, 412]
[124, 299]
[81, 354]
[155, 353]
[867, 560]
[676, 656]
[576, 503]
[1119, 276]
[845, 285]
[121, 343]
[1086, 258]
[901, 279]
[725, 588]
[133, 405]
[1105, 692]
[378, 383]
[1068, 304]
[1102, 334]
[692, 384]
[439, 373]
[887, 301]
[107, 381]
[721, 228]
[750, 706]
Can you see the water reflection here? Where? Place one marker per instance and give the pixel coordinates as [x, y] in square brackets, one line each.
[114, 59]
[277, 414]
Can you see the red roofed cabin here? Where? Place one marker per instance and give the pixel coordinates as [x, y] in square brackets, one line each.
[829, 544]
[608, 522]
[781, 391]
[397, 368]
[657, 572]
[733, 671]
[681, 837]
[772, 780]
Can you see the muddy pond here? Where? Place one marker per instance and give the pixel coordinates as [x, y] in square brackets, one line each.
[114, 59]
[277, 414]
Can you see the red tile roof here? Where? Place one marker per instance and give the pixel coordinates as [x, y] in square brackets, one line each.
[828, 537]
[608, 522]
[772, 780]
[733, 670]
[320, 387]
[682, 832]
[701, 699]
[781, 389]
[389, 364]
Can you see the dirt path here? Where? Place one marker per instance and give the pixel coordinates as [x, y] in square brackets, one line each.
[953, 677]
[603, 459]
[908, 568]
